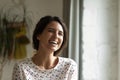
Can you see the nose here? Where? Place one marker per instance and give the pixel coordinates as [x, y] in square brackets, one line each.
[56, 35]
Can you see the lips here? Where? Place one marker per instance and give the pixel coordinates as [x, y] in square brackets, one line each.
[53, 42]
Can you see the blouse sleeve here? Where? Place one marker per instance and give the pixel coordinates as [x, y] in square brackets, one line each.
[73, 74]
[17, 73]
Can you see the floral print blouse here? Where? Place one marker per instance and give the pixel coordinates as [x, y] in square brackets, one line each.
[66, 69]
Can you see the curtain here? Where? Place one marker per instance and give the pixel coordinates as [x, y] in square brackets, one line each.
[72, 14]
[74, 33]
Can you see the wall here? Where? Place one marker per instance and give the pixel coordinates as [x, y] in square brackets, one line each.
[100, 40]
[119, 42]
[38, 8]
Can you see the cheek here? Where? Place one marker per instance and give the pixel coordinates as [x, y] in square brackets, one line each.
[61, 39]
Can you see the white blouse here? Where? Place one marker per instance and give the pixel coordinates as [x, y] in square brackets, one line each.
[66, 69]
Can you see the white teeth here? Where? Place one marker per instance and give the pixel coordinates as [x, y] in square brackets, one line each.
[53, 42]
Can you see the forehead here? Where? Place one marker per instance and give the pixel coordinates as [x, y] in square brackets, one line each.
[55, 25]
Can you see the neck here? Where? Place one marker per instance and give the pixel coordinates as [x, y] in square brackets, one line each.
[45, 60]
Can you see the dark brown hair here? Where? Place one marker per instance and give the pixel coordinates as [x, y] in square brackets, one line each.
[41, 25]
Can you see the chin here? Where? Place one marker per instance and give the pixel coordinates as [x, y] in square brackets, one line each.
[53, 49]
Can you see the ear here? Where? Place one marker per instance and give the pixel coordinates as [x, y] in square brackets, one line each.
[38, 37]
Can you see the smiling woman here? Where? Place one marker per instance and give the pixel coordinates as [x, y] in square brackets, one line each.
[49, 36]
[35, 9]
[49, 39]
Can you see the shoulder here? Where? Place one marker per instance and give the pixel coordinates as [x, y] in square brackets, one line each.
[69, 64]
[67, 61]
[23, 62]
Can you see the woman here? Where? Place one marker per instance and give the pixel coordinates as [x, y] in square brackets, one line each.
[49, 39]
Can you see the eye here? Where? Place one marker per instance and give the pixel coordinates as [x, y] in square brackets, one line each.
[60, 33]
[51, 30]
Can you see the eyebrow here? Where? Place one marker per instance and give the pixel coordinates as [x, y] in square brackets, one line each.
[50, 28]
[54, 29]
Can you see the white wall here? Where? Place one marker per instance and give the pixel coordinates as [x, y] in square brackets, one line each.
[39, 8]
[100, 40]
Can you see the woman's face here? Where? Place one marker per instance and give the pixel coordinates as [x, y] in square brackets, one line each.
[52, 37]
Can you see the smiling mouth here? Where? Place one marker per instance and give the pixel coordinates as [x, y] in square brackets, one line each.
[53, 42]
